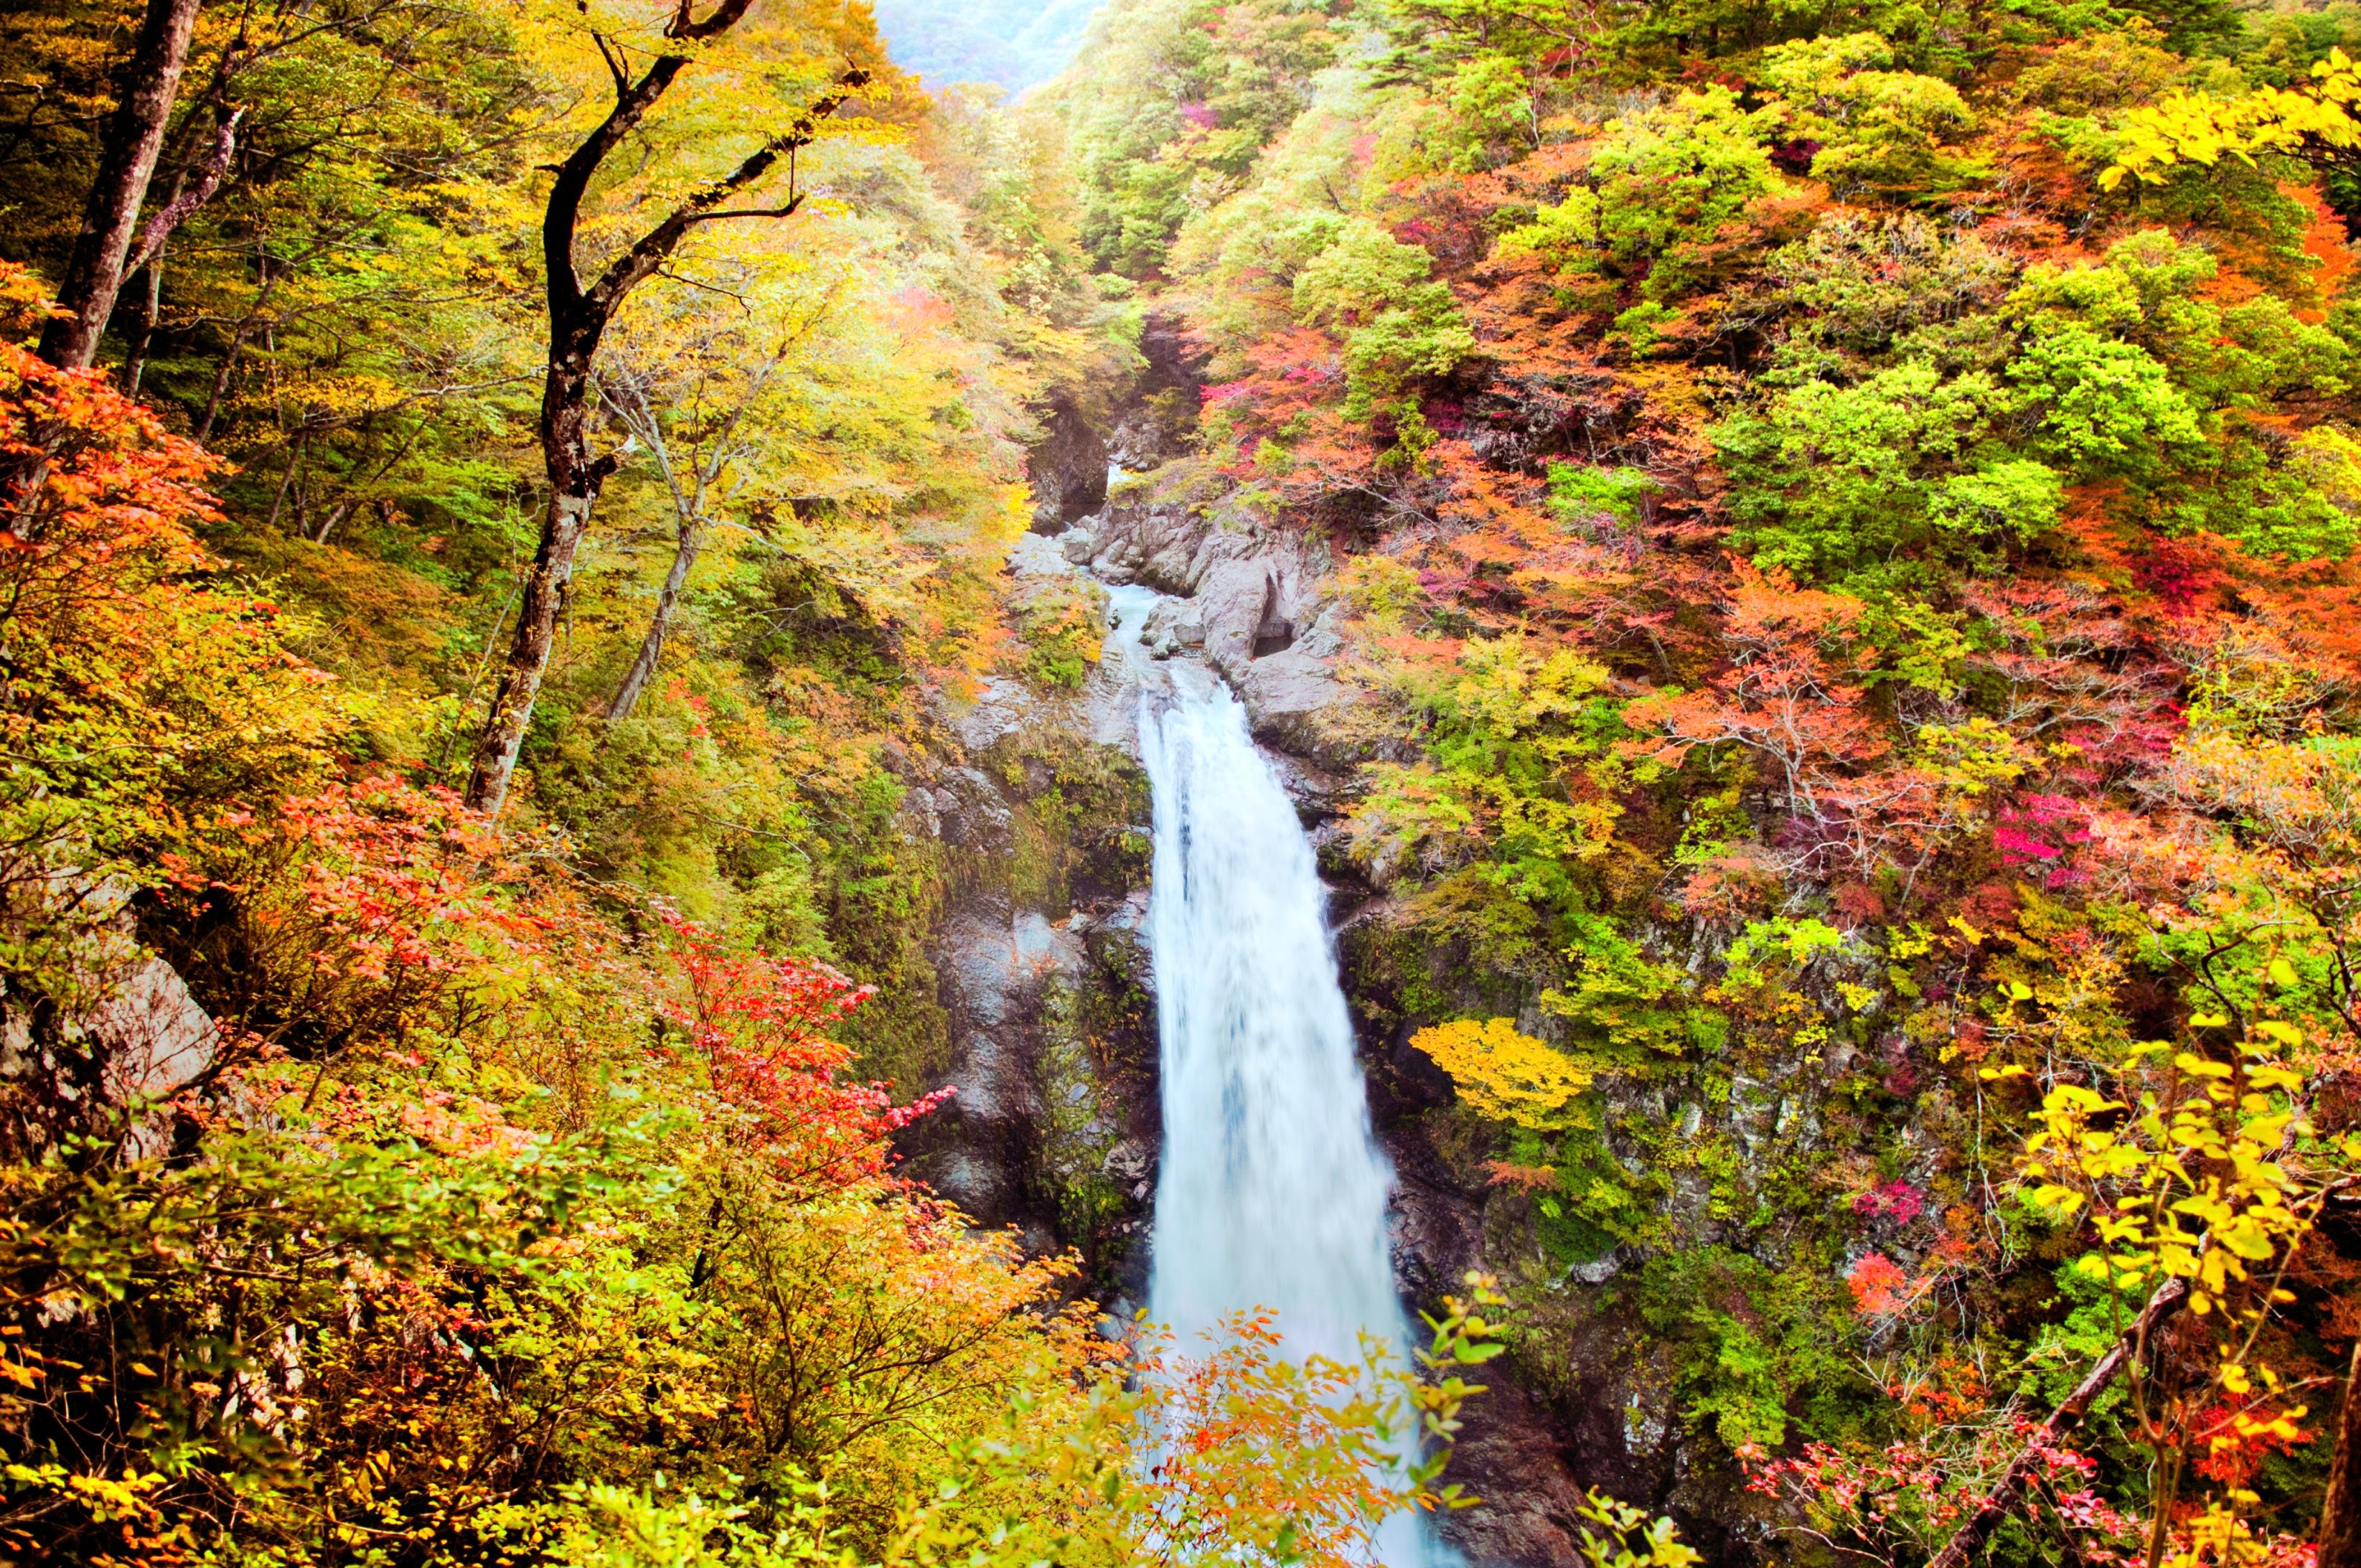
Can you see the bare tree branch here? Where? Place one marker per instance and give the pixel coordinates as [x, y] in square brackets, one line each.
[2006, 1493]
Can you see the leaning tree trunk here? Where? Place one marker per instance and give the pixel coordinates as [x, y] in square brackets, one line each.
[2340, 1515]
[575, 477]
[643, 667]
[1996, 1505]
[126, 162]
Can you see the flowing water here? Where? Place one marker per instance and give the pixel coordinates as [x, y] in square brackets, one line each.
[1272, 1192]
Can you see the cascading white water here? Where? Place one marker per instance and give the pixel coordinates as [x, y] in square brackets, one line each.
[1272, 1192]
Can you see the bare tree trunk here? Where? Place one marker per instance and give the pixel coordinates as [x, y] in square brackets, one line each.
[643, 667]
[221, 373]
[147, 258]
[127, 164]
[575, 479]
[2162, 1492]
[136, 366]
[2340, 1513]
[286, 480]
[2003, 1499]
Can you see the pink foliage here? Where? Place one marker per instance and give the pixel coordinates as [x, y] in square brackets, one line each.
[1897, 1201]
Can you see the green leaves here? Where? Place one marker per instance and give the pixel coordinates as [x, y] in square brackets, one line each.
[1399, 327]
[1891, 132]
[1835, 475]
[2105, 405]
[1668, 178]
[2009, 500]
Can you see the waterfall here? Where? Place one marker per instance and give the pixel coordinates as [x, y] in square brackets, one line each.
[1272, 1192]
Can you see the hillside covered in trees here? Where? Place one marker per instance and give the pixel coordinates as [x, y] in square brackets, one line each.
[573, 840]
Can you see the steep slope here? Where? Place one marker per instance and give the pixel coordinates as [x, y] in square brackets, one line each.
[1785, 561]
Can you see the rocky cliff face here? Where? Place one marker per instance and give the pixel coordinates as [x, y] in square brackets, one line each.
[143, 1039]
[1052, 1125]
[1254, 609]
[1069, 470]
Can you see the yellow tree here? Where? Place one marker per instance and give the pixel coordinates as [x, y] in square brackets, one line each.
[734, 87]
[705, 393]
[2200, 128]
[1505, 1074]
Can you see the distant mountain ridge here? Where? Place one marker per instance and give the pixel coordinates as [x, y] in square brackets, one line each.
[1013, 44]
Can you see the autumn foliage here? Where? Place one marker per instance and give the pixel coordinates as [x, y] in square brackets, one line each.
[379, 1186]
[1846, 539]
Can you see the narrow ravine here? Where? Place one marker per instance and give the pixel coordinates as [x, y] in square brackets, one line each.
[1273, 1193]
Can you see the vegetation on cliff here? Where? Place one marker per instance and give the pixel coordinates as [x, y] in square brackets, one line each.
[394, 1175]
[1848, 514]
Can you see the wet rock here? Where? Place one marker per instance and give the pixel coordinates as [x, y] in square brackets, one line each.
[1050, 1126]
[1317, 792]
[1289, 699]
[1250, 597]
[1117, 939]
[1246, 600]
[1002, 708]
[1130, 1162]
[994, 972]
[1034, 556]
[1051, 1057]
[981, 1184]
[1155, 543]
[1510, 1454]
[1174, 626]
[1068, 469]
[971, 811]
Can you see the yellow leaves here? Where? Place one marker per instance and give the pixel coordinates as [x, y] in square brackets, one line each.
[2247, 1235]
[2218, 1537]
[2074, 1101]
[1970, 758]
[2269, 1077]
[2200, 128]
[2051, 1198]
[2187, 1188]
[1506, 1075]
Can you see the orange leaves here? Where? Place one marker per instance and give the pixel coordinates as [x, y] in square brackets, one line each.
[400, 878]
[2240, 1433]
[101, 497]
[1880, 1289]
[760, 1025]
[1787, 695]
[2325, 242]
[1254, 1453]
[1521, 1178]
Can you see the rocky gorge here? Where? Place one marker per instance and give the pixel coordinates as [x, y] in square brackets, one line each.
[1054, 1122]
